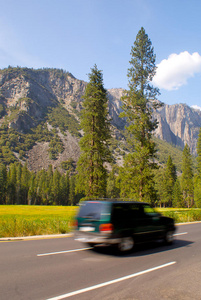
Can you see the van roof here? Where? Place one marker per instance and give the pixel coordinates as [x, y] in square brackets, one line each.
[114, 201]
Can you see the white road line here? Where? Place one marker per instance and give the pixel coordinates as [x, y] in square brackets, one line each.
[111, 282]
[67, 251]
[182, 233]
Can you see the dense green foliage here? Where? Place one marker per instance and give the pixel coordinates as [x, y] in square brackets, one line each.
[165, 179]
[60, 118]
[20, 186]
[165, 150]
[13, 141]
[92, 174]
[138, 104]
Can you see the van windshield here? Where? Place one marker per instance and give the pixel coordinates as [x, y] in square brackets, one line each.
[91, 210]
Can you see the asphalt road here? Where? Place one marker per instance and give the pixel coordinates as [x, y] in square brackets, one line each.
[62, 269]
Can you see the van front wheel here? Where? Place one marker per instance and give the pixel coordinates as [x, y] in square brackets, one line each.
[126, 244]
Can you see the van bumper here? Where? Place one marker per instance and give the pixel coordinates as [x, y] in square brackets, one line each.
[95, 239]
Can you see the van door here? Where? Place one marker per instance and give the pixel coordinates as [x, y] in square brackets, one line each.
[151, 222]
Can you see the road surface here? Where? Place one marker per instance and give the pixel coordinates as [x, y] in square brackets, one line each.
[61, 268]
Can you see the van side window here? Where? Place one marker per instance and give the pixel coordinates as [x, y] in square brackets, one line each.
[120, 212]
[127, 211]
[134, 211]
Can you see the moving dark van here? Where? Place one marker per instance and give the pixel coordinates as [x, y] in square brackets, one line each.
[121, 223]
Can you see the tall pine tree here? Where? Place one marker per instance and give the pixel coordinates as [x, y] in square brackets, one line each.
[197, 179]
[170, 178]
[3, 183]
[138, 104]
[92, 175]
[11, 185]
[187, 177]
[199, 153]
[177, 195]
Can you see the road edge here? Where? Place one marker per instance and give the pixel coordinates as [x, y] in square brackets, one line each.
[36, 237]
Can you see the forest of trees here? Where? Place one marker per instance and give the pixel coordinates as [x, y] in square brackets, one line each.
[18, 185]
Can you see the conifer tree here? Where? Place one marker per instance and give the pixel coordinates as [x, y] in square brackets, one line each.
[197, 179]
[25, 183]
[64, 190]
[112, 185]
[72, 190]
[138, 105]
[56, 187]
[11, 187]
[92, 175]
[170, 177]
[199, 154]
[32, 190]
[19, 190]
[159, 180]
[67, 187]
[177, 195]
[41, 187]
[187, 177]
[49, 185]
[3, 183]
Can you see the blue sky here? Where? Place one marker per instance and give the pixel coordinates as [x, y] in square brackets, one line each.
[76, 34]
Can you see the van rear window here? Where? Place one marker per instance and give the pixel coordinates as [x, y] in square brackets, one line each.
[91, 210]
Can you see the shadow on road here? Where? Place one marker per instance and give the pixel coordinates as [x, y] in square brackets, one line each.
[143, 249]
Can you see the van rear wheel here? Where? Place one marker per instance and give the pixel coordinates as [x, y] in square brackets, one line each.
[169, 237]
[91, 245]
[126, 244]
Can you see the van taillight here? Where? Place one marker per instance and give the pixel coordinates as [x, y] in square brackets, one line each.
[74, 224]
[107, 228]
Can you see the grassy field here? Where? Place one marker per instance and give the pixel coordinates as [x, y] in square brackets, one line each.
[24, 220]
[181, 215]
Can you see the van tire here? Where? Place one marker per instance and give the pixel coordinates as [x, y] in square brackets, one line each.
[91, 245]
[126, 244]
[169, 237]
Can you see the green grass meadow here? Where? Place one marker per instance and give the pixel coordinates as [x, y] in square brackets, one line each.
[24, 220]
[181, 215]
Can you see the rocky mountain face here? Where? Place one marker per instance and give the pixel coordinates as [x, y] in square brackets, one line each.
[178, 124]
[33, 91]
[26, 95]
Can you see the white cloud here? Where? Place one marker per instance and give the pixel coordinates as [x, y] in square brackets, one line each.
[173, 72]
[196, 107]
